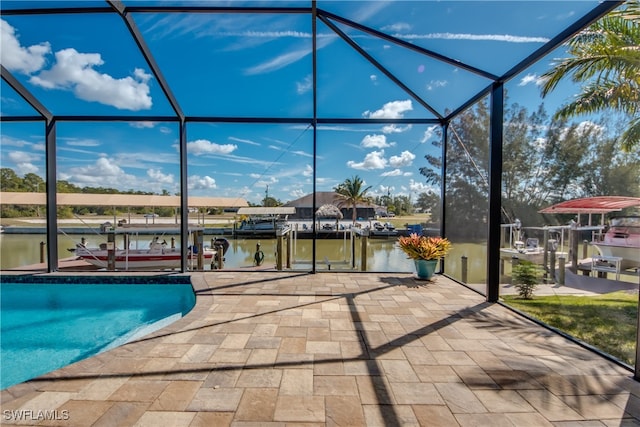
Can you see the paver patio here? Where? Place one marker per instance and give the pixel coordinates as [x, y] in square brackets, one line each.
[335, 349]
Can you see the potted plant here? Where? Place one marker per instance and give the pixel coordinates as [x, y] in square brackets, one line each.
[425, 252]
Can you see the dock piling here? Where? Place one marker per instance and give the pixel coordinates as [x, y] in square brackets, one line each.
[465, 270]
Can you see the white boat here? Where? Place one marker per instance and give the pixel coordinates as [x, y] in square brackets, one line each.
[622, 240]
[529, 249]
[158, 256]
[259, 225]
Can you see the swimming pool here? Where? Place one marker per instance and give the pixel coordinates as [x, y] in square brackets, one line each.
[45, 326]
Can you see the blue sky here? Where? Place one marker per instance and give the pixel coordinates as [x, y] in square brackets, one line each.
[260, 65]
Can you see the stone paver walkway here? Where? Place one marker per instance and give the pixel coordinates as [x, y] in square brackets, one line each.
[335, 349]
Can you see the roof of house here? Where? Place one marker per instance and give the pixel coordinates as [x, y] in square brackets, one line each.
[82, 199]
[262, 210]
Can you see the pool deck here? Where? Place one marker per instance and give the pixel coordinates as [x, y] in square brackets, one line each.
[335, 349]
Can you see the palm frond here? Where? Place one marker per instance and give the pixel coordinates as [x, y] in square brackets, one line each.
[619, 96]
[605, 59]
[631, 136]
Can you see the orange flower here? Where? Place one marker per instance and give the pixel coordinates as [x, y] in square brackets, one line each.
[423, 247]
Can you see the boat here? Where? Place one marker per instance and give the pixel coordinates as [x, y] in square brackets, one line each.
[529, 249]
[385, 230]
[621, 240]
[157, 256]
[261, 225]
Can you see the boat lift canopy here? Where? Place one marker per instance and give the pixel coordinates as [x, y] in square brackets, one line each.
[598, 205]
[261, 210]
[592, 205]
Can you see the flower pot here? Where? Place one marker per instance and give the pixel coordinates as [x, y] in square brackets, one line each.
[425, 268]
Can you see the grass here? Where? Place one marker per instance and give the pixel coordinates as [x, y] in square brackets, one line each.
[607, 322]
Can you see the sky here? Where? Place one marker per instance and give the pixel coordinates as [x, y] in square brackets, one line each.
[260, 66]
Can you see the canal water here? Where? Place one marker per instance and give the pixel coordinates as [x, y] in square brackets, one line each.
[383, 255]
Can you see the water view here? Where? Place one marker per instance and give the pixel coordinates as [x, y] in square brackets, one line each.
[382, 254]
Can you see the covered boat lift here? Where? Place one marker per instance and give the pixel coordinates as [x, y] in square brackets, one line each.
[592, 205]
[600, 205]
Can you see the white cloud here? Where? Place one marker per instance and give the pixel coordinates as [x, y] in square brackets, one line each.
[157, 176]
[305, 85]
[202, 146]
[390, 110]
[15, 57]
[108, 172]
[25, 168]
[196, 182]
[434, 84]
[271, 35]
[395, 172]
[269, 180]
[75, 71]
[398, 26]
[278, 62]
[404, 159]
[368, 9]
[297, 193]
[475, 37]
[166, 130]
[374, 141]
[374, 79]
[395, 128]
[586, 127]
[290, 57]
[105, 172]
[308, 171]
[24, 161]
[420, 187]
[6, 141]
[373, 160]
[530, 78]
[85, 142]
[301, 153]
[429, 133]
[142, 125]
[245, 141]
[582, 129]
[22, 157]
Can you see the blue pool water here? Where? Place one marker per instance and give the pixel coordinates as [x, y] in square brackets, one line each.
[47, 326]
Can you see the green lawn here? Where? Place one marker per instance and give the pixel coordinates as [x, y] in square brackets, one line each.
[607, 321]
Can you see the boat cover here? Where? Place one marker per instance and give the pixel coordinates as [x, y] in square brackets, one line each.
[599, 204]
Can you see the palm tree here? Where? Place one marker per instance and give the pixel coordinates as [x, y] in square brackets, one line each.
[606, 58]
[351, 192]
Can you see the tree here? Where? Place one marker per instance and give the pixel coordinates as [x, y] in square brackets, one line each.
[63, 186]
[430, 203]
[9, 180]
[466, 192]
[33, 182]
[351, 192]
[271, 202]
[605, 57]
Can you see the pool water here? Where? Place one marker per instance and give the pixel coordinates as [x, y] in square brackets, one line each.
[44, 327]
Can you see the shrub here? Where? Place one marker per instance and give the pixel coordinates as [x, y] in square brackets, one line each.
[526, 276]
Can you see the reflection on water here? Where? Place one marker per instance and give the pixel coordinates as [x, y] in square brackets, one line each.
[382, 255]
